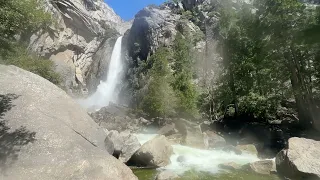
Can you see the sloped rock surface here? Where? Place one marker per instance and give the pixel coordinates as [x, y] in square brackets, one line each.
[44, 134]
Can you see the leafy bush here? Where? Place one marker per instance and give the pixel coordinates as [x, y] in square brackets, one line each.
[21, 16]
[20, 57]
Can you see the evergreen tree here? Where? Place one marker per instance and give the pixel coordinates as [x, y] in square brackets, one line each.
[182, 72]
[159, 101]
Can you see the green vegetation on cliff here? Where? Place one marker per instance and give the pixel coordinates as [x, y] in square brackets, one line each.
[19, 19]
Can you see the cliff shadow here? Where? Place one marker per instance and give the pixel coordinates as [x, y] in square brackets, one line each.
[11, 141]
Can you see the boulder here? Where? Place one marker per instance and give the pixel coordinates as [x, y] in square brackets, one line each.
[213, 140]
[301, 160]
[230, 148]
[125, 144]
[116, 117]
[154, 153]
[45, 134]
[167, 175]
[229, 166]
[191, 133]
[167, 130]
[131, 145]
[248, 148]
[261, 167]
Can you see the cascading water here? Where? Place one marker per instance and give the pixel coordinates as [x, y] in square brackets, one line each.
[105, 92]
[198, 159]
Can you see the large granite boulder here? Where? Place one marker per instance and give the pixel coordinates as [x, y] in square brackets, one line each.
[213, 140]
[248, 148]
[301, 160]
[125, 144]
[154, 153]
[261, 167]
[44, 134]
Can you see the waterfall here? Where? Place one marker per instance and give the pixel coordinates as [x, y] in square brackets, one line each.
[105, 92]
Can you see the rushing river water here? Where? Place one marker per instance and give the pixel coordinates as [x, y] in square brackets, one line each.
[196, 164]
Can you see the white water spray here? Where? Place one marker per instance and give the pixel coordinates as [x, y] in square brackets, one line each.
[106, 90]
[198, 159]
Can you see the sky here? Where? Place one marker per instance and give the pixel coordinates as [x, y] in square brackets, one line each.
[128, 8]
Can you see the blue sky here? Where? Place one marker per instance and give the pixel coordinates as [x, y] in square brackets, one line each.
[128, 8]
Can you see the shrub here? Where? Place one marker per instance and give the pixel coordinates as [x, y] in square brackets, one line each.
[30, 62]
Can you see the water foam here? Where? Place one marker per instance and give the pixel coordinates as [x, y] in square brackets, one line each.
[187, 158]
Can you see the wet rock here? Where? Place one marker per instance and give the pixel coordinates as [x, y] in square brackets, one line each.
[229, 166]
[248, 148]
[154, 153]
[167, 175]
[261, 167]
[213, 140]
[301, 160]
[230, 148]
[191, 133]
[167, 130]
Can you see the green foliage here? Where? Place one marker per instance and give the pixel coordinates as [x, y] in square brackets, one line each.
[19, 18]
[264, 60]
[187, 15]
[23, 16]
[159, 101]
[182, 72]
[20, 57]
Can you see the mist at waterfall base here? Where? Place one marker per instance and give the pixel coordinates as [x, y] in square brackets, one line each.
[106, 91]
[198, 159]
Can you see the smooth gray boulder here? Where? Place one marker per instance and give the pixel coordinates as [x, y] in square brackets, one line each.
[301, 160]
[229, 166]
[125, 144]
[45, 134]
[261, 167]
[248, 148]
[213, 140]
[154, 153]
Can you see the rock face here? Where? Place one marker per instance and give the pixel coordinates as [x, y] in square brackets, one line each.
[151, 28]
[125, 144]
[80, 30]
[190, 4]
[301, 160]
[44, 134]
[154, 153]
[261, 167]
